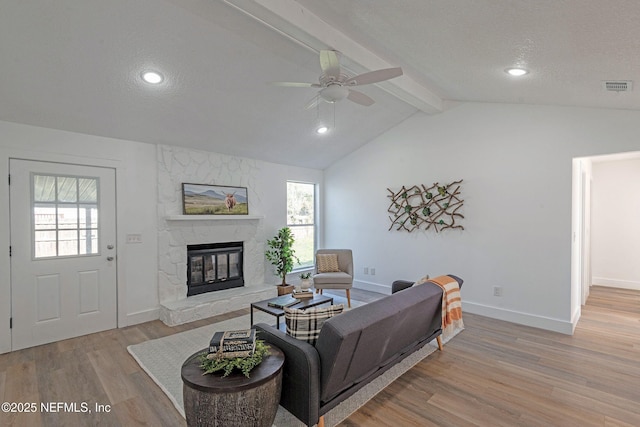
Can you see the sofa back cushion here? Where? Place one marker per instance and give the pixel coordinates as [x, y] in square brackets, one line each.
[361, 341]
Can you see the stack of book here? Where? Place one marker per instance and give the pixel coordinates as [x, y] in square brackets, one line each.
[230, 344]
[283, 301]
[303, 294]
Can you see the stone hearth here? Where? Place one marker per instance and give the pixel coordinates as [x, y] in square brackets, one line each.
[213, 303]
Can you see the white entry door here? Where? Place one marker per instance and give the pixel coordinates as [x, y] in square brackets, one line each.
[63, 239]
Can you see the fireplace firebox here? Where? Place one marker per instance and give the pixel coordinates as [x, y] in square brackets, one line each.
[214, 267]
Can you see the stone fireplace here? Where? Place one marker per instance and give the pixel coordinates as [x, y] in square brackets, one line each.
[183, 231]
[176, 231]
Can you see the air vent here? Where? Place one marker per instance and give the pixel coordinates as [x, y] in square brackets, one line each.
[618, 85]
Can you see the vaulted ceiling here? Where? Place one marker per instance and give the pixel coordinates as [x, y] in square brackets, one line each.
[76, 65]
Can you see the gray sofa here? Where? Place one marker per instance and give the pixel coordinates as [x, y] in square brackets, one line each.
[354, 348]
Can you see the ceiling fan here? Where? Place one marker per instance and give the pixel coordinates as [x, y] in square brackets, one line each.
[335, 85]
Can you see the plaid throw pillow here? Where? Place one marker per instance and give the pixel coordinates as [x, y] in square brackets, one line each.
[327, 263]
[305, 325]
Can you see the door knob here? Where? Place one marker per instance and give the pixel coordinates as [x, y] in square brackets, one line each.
[109, 246]
[109, 258]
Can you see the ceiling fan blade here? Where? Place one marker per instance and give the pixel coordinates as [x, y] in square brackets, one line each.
[360, 98]
[313, 103]
[330, 63]
[294, 84]
[374, 76]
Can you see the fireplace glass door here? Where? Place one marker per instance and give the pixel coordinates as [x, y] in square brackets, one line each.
[214, 269]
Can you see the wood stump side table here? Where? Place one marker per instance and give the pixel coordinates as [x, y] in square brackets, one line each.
[215, 401]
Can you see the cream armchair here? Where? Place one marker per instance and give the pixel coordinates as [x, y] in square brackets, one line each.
[330, 274]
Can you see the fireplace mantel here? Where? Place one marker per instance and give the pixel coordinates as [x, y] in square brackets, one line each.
[212, 217]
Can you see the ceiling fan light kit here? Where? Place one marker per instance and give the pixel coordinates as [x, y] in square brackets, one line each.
[334, 93]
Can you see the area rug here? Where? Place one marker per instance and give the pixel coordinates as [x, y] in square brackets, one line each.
[162, 359]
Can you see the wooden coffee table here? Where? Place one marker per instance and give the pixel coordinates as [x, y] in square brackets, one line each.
[233, 401]
[278, 312]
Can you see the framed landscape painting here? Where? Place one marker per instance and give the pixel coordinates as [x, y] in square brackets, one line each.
[205, 199]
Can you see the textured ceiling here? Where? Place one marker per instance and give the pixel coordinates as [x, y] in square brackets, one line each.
[461, 48]
[75, 65]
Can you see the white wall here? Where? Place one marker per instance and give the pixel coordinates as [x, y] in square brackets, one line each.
[138, 186]
[516, 162]
[135, 165]
[616, 223]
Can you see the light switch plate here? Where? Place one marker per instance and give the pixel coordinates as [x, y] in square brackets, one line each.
[134, 238]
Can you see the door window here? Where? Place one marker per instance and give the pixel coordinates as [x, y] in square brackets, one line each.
[65, 215]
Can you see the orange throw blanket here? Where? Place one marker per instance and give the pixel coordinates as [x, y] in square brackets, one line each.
[451, 301]
[451, 305]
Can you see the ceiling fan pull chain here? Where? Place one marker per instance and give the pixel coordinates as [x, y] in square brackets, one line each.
[334, 115]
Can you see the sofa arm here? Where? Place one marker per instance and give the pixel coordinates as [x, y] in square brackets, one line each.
[400, 285]
[301, 374]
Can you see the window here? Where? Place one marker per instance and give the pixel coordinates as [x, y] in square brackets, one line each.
[65, 216]
[301, 219]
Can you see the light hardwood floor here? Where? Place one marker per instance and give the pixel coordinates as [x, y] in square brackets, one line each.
[494, 373]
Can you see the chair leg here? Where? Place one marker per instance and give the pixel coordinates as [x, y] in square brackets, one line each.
[321, 421]
[439, 339]
[349, 297]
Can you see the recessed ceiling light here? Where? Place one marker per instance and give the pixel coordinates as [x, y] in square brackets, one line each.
[516, 72]
[322, 129]
[152, 77]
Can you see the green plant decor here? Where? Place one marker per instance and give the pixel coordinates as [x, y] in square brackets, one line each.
[281, 253]
[245, 364]
[305, 276]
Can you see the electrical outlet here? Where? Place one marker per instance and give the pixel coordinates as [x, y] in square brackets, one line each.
[366, 270]
[134, 238]
[373, 271]
[497, 291]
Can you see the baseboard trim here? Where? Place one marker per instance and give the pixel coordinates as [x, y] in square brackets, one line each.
[541, 322]
[575, 318]
[615, 283]
[143, 316]
[373, 287]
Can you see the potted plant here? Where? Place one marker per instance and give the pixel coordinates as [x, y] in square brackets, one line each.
[282, 255]
[214, 362]
[305, 280]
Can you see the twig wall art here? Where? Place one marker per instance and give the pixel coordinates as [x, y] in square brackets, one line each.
[421, 206]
